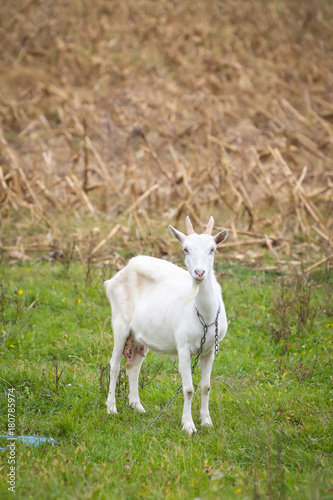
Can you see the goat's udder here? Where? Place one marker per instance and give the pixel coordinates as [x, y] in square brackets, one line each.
[141, 351]
[130, 348]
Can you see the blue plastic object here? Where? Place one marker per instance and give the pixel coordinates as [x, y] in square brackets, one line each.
[33, 440]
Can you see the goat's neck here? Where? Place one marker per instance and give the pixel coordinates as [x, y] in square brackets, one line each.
[207, 300]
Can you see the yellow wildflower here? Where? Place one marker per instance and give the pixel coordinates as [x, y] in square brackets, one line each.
[79, 301]
[20, 292]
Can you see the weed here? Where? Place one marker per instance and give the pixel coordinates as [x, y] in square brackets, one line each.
[89, 257]
[67, 256]
[327, 299]
[57, 376]
[304, 371]
[3, 301]
[292, 311]
[281, 312]
[122, 384]
[146, 379]
[305, 312]
[104, 378]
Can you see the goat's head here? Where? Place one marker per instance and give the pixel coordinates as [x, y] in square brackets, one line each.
[199, 249]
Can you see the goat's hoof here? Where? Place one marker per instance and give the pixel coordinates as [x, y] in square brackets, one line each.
[111, 409]
[206, 421]
[189, 428]
[138, 406]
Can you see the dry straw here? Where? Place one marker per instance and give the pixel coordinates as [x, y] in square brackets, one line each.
[144, 112]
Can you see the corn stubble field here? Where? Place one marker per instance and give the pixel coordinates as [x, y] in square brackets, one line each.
[118, 118]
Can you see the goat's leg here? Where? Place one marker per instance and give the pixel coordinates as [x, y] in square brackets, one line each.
[206, 363]
[185, 371]
[133, 370]
[119, 343]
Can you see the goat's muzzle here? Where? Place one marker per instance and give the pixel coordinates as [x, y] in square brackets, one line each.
[200, 274]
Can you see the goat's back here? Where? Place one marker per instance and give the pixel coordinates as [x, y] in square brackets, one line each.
[141, 276]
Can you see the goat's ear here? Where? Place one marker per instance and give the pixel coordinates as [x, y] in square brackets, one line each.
[177, 234]
[220, 237]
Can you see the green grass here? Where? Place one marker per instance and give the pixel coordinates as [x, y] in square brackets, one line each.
[272, 435]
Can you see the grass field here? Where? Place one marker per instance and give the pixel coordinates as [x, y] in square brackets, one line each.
[271, 398]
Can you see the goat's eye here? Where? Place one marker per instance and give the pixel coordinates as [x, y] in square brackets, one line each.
[212, 250]
[185, 250]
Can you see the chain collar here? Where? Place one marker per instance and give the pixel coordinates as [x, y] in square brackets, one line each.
[205, 328]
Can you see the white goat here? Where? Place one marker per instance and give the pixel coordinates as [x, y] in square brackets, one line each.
[155, 305]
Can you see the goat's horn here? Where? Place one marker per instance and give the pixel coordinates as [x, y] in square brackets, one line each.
[189, 226]
[209, 227]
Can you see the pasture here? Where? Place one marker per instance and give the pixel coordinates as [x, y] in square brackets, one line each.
[271, 397]
[117, 119]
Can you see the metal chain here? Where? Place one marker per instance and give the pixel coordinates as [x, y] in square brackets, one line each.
[216, 350]
[195, 362]
[205, 326]
[163, 411]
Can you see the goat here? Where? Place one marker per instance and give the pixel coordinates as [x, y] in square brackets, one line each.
[156, 304]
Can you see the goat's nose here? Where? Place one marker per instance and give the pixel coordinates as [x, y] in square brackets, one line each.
[199, 272]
